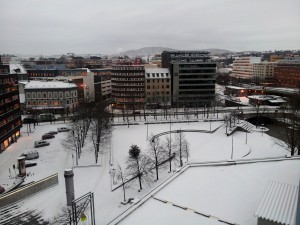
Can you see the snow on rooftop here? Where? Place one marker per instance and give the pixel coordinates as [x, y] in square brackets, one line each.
[155, 73]
[279, 203]
[228, 193]
[48, 85]
[16, 68]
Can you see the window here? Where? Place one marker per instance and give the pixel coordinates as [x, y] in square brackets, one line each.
[50, 102]
[75, 93]
[55, 95]
[45, 103]
[39, 95]
[33, 95]
[28, 102]
[28, 95]
[40, 102]
[49, 94]
[67, 94]
[44, 95]
[60, 95]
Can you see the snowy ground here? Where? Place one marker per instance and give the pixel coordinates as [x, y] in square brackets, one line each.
[88, 177]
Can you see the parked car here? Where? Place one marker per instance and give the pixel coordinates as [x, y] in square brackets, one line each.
[47, 136]
[2, 190]
[30, 164]
[30, 155]
[41, 143]
[52, 132]
[63, 129]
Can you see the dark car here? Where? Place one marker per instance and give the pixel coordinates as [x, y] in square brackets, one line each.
[47, 136]
[52, 132]
[30, 164]
[29, 120]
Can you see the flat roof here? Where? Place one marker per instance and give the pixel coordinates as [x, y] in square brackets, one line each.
[48, 85]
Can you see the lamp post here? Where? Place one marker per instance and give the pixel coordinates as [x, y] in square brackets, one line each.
[231, 146]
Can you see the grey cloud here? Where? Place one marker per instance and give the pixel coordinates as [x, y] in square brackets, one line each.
[103, 26]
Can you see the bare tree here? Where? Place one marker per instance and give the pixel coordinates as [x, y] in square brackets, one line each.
[72, 143]
[64, 217]
[181, 144]
[121, 175]
[100, 126]
[138, 165]
[169, 145]
[156, 153]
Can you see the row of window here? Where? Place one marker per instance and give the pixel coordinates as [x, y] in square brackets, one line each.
[127, 78]
[157, 74]
[50, 102]
[162, 86]
[158, 93]
[158, 80]
[47, 95]
[126, 74]
[7, 80]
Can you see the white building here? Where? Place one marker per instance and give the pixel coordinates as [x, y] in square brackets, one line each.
[243, 67]
[51, 96]
[263, 72]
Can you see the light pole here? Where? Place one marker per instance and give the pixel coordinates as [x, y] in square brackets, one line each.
[231, 146]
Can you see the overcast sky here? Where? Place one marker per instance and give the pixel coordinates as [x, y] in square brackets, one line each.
[110, 26]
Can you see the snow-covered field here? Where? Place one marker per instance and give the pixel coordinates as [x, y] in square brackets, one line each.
[88, 177]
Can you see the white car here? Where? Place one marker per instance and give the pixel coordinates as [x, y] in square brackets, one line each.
[63, 129]
[41, 143]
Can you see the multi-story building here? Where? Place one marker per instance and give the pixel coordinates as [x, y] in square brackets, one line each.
[276, 58]
[128, 86]
[10, 113]
[158, 85]
[193, 77]
[102, 84]
[243, 68]
[263, 73]
[287, 73]
[51, 96]
[82, 77]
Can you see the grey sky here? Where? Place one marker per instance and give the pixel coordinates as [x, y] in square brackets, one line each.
[109, 26]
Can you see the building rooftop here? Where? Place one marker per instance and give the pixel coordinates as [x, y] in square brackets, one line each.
[157, 73]
[16, 68]
[48, 85]
[279, 203]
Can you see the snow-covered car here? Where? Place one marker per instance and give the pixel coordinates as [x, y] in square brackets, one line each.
[52, 132]
[63, 129]
[30, 155]
[41, 143]
[2, 190]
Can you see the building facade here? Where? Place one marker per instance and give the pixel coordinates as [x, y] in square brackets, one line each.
[243, 68]
[193, 77]
[128, 86]
[158, 85]
[263, 73]
[10, 113]
[53, 96]
[102, 84]
[287, 75]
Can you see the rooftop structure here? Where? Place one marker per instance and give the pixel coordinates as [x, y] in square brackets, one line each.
[278, 204]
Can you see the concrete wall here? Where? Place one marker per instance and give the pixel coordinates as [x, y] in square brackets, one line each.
[29, 190]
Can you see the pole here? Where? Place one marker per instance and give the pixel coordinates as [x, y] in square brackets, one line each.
[231, 146]
[246, 137]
